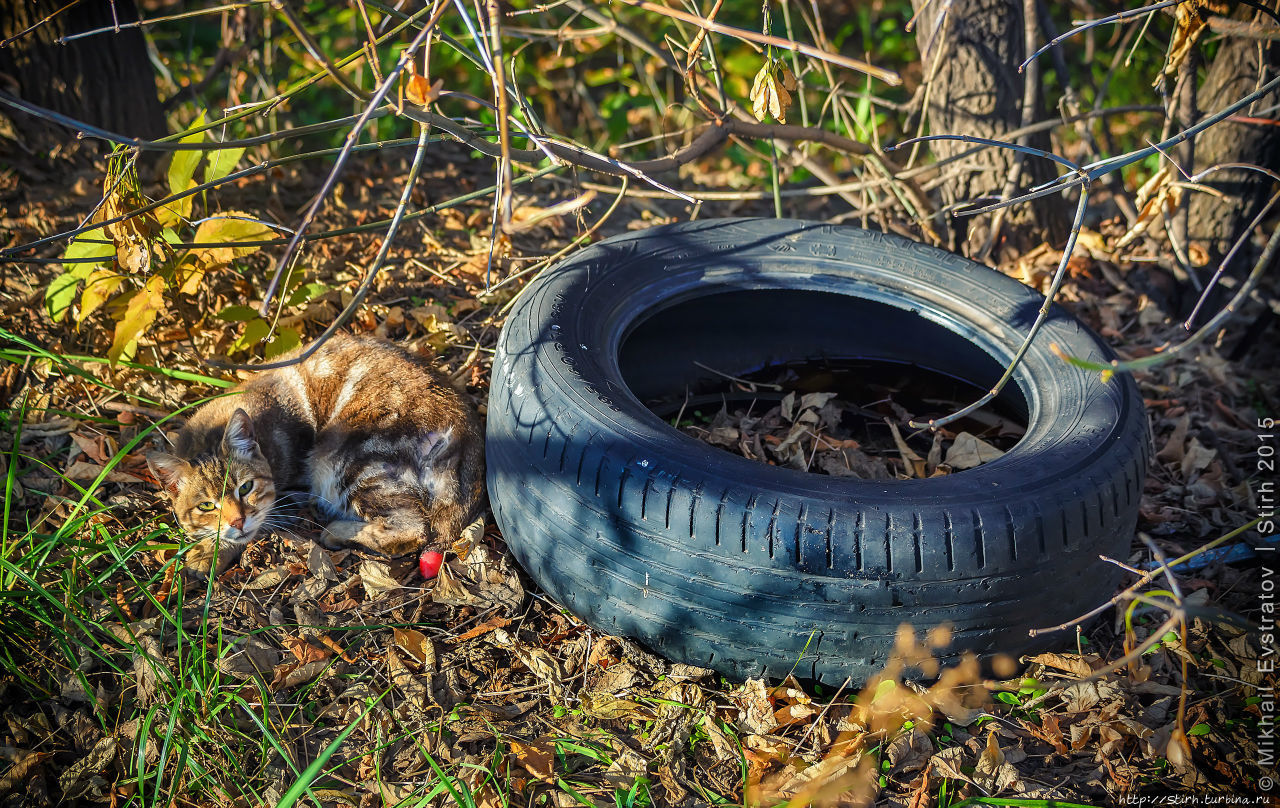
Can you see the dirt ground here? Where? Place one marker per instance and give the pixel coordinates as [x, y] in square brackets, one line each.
[475, 688]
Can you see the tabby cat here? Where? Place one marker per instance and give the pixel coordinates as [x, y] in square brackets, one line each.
[382, 442]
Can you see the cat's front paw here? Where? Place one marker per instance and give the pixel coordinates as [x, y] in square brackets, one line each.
[200, 559]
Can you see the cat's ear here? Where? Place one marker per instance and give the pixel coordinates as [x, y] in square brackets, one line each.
[167, 469]
[238, 439]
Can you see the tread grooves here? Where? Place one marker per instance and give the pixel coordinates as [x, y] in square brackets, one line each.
[831, 524]
[773, 525]
[693, 506]
[671, 492]
[622, 484]
[720, 513]
[546, 443]
[949, 541]
[888, 544]
[1044, 551]
[581, 460]
[801, 522]
[859, 526]
[979, 540]
[746, 517]
[599, 473]
[644, 498]
[1013, 533]
[917, 528]
[1066, 531]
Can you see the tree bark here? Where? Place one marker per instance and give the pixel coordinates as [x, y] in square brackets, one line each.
[971, 65]
[104, 79]
[1240, 65]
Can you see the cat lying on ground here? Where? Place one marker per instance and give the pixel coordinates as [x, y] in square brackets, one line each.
[384, 445]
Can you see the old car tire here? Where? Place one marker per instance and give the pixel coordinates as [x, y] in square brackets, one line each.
[719, 561]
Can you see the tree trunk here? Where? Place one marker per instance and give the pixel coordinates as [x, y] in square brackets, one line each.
[104, 79]
[1239, 67]
[976, 89]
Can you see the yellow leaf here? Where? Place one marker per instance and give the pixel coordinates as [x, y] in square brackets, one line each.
[188, 274]
[226, 231]
[97, 289]
[138, 317]
[177, 210]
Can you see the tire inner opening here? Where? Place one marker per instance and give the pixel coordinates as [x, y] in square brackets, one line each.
[785, 349]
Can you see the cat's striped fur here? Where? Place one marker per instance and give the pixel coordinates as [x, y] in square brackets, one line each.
[383, 443]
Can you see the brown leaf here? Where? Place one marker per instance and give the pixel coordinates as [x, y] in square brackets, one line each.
[609, 707]
[417, 645]
[411, 686]
[537, 756]
[84, 471]
[484, 628]
[968, 451]
[376, 578]
[769, 96]
[755, 712]
[909, 751]
[1048, 731]
[25, 763]
[913, 462]
[421, 91]
[1071, 663]
[82, 778]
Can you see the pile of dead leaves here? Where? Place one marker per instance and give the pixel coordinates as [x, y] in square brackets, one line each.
[823, 433]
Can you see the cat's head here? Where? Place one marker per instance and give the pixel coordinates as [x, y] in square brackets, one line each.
[225, 494]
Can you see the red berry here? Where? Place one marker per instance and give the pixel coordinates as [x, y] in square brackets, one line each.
[429, 563]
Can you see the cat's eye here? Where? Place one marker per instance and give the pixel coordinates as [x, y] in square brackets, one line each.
[245, 488]
[206, 506]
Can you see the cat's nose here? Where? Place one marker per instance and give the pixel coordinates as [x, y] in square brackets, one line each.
[238, 522]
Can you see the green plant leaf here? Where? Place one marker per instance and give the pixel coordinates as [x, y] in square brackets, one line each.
[183, 166]
[255, 331]
[286, 339]
[81, 249]
[59, 294]
[221, 163]
[237, 314]
[306, 293]
[1200, 729]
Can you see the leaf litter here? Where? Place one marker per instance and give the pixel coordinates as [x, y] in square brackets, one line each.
[475, 687]
[861, 431]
